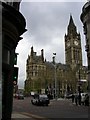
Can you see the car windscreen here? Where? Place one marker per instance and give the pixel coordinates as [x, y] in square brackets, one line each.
[43, 96]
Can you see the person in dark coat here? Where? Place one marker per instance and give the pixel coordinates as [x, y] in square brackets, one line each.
[79, 99]
[76, 99]
[86, 100]
[73, 96]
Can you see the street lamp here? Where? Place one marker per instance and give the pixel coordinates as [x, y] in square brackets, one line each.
[79, 89]
[79, 77]
[55, 75]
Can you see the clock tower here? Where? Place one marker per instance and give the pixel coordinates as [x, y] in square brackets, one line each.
[73, 50]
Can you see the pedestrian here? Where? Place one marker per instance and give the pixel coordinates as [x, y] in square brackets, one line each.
[82, 98]
[86, 100]
[76, 99]
[73, 96]
[79, 99]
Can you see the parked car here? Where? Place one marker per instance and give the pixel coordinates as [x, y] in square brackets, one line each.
[41, 99]
[20, 96]
[16, 95]
[68, 96]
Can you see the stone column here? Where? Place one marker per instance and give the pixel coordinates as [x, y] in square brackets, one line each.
[13, 26]
[85, 18]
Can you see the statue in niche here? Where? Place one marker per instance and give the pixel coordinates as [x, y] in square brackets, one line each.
[13, 3]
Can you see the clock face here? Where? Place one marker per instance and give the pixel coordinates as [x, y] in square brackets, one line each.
[68, 44]
[76, 42]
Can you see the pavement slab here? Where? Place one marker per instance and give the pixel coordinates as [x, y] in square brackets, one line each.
[18, 115]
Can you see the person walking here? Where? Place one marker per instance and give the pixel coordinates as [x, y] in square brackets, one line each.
[76, 99]
[86, 100]
[73, 96]
[79, 99]
[83, 99]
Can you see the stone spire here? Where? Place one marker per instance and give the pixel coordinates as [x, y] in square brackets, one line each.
[71, 21]
[71, 27]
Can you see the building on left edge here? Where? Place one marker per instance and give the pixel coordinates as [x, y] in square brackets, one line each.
[13, 26]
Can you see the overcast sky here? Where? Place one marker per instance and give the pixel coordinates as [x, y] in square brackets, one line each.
[46, 24]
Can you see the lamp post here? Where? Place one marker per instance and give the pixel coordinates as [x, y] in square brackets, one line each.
[79, 89]
[55, 75]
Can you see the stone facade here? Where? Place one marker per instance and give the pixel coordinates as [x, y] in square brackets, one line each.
[40, 74]
[85, 18]
[13, 26]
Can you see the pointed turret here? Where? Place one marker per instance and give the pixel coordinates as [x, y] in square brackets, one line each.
[71, 27]
[71, 21]
[42, 55]
[32, 51]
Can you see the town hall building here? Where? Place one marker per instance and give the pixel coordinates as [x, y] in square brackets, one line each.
[43, 76]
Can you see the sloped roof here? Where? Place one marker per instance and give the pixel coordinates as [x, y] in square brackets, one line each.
[49, 65]
[63, 66]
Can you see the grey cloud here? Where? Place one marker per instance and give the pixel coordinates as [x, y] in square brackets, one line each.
[46, 21]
